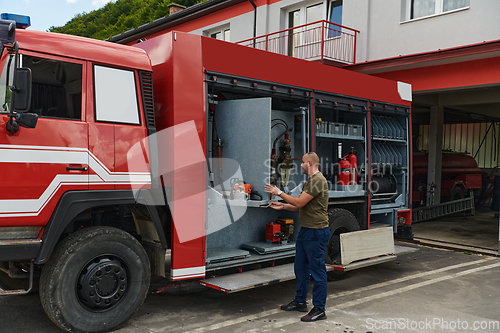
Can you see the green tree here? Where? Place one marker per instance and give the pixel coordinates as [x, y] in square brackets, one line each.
[117, 17]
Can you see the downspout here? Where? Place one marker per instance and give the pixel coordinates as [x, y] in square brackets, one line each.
[254, 21]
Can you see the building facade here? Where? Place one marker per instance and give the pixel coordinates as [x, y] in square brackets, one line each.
[448, 50]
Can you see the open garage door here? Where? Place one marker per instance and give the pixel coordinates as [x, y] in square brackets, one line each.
[456, 141]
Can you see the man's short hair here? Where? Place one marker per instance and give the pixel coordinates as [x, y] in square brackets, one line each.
[313, 157]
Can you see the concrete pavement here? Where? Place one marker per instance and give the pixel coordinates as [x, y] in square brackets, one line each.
[430, 290]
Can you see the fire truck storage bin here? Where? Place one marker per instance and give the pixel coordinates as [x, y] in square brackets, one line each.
[336, 128]
[354, 130]
[321, 126]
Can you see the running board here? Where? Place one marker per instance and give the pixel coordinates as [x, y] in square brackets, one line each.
[265, 276]
[250, 279]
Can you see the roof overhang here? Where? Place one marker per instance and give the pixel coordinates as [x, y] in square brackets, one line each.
[489, 49]
[167, 22]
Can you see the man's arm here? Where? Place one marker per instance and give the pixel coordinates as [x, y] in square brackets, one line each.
[282, 206]
[298, 203]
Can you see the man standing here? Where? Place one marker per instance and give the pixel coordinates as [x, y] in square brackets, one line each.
[312, 205]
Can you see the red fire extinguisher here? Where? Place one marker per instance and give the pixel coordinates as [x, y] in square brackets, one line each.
[348, 174]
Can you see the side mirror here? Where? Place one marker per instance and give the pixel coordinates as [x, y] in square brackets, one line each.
[21, 91]
[27, 120]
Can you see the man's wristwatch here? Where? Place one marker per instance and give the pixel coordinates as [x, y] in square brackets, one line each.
[279, 193]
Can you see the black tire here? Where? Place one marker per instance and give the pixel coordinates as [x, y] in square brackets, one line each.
[457, 193]
[341, 221]
[95, 280]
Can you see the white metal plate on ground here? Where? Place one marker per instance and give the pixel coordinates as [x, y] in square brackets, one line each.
[252, 279]
[365, 244]
[264, 276]
[398, 250]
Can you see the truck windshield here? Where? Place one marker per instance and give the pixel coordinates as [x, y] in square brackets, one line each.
[7, 74]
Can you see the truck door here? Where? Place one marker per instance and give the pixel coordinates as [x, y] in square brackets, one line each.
[116, 126]
[38, 165]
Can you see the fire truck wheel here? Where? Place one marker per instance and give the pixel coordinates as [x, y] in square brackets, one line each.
[457, 193]
[341, 221]
[95, 280]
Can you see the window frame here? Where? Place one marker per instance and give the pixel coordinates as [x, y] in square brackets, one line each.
[222, 29]
[82, 63]
[137, 90]
[406, 10]
[302, 8]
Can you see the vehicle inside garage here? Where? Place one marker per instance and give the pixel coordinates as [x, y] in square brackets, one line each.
[465, 213]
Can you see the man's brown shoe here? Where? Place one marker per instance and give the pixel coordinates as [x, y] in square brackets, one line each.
[294, 306]
[314, 314]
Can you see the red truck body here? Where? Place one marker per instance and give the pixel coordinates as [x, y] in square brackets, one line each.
[184, 59]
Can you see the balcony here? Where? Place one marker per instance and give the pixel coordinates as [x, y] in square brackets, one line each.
[321, 41]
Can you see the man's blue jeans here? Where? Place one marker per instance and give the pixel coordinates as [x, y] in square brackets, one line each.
[310, 260]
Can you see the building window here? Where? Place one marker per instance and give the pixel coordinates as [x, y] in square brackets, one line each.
[336, 12]
[305, 13]
[421, 8]
[454, 4]
[314, 13]
[220, 33]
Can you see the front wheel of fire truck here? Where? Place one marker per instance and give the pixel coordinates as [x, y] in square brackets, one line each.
[95, 280]
[341, 221]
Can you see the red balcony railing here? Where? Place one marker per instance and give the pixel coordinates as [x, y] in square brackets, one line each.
[321, 40]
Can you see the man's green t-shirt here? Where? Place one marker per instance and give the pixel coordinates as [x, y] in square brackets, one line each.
[315, 213]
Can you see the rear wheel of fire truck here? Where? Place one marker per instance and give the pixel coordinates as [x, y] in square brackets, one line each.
[341, 221]
[95, 280]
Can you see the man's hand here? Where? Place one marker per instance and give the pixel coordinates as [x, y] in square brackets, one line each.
[271, 189]
[277, 205]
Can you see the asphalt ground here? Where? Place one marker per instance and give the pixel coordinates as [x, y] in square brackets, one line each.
[430, 290]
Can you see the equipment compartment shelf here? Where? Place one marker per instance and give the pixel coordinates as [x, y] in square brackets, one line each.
[389, 140]
[338, 136]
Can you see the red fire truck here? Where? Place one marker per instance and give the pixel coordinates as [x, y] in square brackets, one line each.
[112, 154]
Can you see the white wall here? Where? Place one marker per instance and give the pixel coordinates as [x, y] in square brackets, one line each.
[384, 33]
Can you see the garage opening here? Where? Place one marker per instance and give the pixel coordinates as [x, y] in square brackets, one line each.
[456, 159]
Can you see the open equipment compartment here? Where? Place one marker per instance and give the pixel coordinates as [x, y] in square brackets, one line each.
[340, 143]
[390, 163]
[250, 124]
